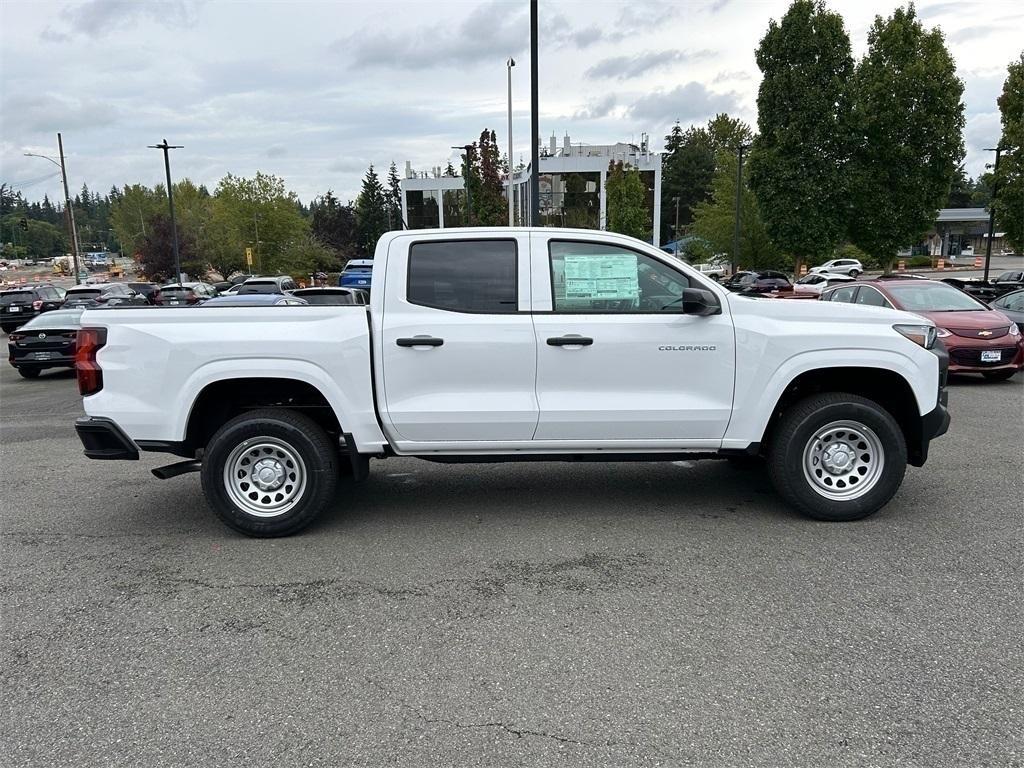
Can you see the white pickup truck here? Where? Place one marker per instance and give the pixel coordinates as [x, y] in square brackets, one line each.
[498, 344]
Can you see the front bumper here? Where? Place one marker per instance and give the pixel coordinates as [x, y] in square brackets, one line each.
[103, 439]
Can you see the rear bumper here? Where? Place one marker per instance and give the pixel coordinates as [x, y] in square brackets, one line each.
[103, 439]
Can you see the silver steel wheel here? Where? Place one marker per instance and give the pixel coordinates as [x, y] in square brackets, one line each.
[843, 460]
[264, 476]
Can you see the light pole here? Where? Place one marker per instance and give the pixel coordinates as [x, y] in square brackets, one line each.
[992, 208]
[68, 208]
[676, 230]
[468, 149]
[170, 201]
[511, 216]
[534, 122]
[736, 224]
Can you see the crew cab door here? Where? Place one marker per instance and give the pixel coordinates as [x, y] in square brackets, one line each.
[458, 347]
[642, 371]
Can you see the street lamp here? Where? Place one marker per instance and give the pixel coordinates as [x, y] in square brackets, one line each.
[467, 148]
[511, 219]
[992, 207]
[170, 201]
[676, 230]
[736, 226]
[67, 199]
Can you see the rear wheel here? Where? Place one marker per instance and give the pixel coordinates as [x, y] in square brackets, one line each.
[29, 373]
[269, 472]
[854, 273]
[999, 375]
[837, 456]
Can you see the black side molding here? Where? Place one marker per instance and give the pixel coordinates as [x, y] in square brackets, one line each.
[104, 440]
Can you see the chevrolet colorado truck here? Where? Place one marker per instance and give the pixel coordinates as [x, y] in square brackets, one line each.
[504, 344]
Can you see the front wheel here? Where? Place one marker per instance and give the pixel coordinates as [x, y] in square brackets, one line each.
[269, 472]
[999, 375]
[837, 456]
[29, 373]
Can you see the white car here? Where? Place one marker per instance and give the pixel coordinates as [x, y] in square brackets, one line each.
[816, 282]
[850, 267]
[513, 344]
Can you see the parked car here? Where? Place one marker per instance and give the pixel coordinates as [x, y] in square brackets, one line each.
[979, 339]
[469, 352]
[332, 295]
[358, 273]
[184, 294]
[979, 289]
[851, 267]
[255, 300]
[765, 281]
[19, 305]
[277, 284]
[1009, 281]
[101, 295]
[148, 291]
[814, 283]
[46, 341]
[1012, 305]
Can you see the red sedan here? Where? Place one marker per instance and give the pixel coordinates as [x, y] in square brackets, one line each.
[979, 339]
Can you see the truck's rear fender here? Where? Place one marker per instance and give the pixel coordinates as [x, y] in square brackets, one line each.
[897, 382]
[219, 390]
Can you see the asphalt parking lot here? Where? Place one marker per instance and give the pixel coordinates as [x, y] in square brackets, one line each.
[533, 615]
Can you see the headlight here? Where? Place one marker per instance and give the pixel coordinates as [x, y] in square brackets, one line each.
[923, 335]
[1014, 329]
[942, 333]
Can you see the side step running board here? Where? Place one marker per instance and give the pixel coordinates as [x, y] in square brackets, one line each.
[181, 468]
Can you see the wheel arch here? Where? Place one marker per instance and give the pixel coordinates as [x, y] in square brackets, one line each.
[884, 386]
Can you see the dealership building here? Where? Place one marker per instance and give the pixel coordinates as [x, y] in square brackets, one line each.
[572, 183]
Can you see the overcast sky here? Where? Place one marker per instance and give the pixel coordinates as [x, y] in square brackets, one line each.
[316, 91]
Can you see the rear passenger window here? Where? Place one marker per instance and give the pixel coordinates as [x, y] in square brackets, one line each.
[464, 276]
[843, 294]
[871, 297]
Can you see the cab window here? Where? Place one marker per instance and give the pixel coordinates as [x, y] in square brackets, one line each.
[843, 294]
[608, 279]
[464, 276]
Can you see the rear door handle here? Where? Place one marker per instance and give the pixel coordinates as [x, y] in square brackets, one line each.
[420, 341]
[570, 341]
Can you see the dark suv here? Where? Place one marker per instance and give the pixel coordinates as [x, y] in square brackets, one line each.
[101, 295]
[20, 305]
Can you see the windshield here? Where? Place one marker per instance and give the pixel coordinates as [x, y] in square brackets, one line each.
[18, 296]
[59, 319]
[933, 297]
[83, 293]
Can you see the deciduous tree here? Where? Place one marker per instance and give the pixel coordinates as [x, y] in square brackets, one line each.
[908, 119]
[799, 158]
[1010, 190]
[627, 201]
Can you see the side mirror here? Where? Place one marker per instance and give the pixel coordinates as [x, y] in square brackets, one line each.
[697, 301]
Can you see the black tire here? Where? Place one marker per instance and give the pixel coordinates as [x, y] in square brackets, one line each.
[29, 373]
[793, 436]
[8, 329]
[999, 375]
[298, 437]
[854, 273]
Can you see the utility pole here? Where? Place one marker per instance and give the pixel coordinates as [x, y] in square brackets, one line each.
[468, 149]
[170, 201]
[992, 209]
[256, 223]
[736, 223]
[675, 231]
[534, 122]
[511, 210]
[69, 210]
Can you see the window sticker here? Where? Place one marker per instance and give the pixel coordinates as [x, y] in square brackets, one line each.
[604, 277]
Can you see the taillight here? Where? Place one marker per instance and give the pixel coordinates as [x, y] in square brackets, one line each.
[90, 377]
[37, 305]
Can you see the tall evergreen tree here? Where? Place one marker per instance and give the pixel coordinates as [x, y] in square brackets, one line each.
[909, 120]
[394, 195]
[489, 199]
[799, 158]
[371, 212]
[1010, 190]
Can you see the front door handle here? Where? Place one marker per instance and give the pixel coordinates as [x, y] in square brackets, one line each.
[570, 341]
[420, 341]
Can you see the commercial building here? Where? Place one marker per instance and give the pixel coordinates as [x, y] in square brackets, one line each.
[959, 229]
[572, 182]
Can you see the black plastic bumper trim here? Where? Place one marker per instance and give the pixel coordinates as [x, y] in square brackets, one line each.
[104, 440]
